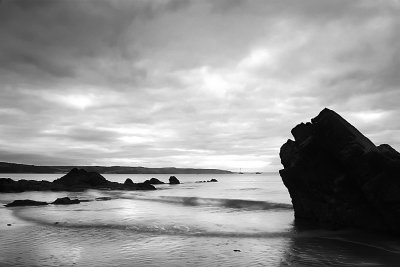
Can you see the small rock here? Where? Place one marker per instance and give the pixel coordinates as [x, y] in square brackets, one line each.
[237, 250]
[8, 224]
[153, 181]
[66, 201]
[173, 180]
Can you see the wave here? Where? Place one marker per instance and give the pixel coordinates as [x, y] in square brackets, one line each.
[220, 202]
[180, 231]
[153, 229]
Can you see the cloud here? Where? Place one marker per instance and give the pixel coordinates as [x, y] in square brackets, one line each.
[190, 83]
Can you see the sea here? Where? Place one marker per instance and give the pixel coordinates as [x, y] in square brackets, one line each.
[241, 220]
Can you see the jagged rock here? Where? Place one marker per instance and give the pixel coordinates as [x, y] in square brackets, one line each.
[66, 201]
[153, 181]
[128, 181]
[26, 202]
[139, 186]
[338, 178]
[78, 177]
[173, 180]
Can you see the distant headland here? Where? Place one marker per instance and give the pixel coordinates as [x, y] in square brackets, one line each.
[6, 167]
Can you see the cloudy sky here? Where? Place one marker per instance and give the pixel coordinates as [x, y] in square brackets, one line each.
[208, 84]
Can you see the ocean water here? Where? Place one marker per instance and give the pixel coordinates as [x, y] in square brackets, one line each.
[243, 220]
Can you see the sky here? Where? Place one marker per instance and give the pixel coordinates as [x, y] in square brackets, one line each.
[202, 84]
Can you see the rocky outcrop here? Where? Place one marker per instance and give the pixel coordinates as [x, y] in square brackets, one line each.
[26, 202]
[173, 180]
[338, 178]
[75, 180]
[153, 181]
[66, 201]
[8, 185]
[129, 184]
[128, 181]
[80, 177]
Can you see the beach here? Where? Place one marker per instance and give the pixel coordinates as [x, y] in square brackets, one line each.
[240, 220]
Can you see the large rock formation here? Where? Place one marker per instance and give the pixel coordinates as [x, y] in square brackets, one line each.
[338, 178]
[80, 177]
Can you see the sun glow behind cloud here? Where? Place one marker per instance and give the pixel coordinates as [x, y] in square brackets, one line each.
[76, 101]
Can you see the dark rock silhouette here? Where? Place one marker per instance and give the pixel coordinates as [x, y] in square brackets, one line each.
[8, 185]
[153, 181]
[26, 202]
[103, 198]
[144, 186]
[338, 178]
[213, 180]
[128, 181]
[129, 184]
[77, 177]
[66, 201]
[173, 180]
[75, 180]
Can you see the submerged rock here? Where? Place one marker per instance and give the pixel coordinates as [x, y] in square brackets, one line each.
[66, 201]
[338, 178]
[103, 198]
[208, 181]
[26, 202]
[173, 180]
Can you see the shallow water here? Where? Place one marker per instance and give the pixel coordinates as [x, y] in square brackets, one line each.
[192, 224]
